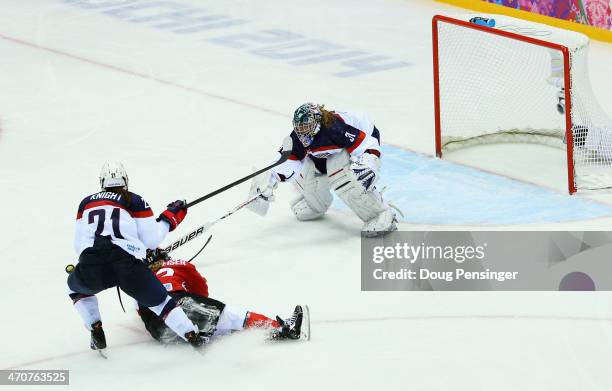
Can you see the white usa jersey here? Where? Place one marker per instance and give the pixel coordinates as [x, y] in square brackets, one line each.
[351, 131]
[126, 219]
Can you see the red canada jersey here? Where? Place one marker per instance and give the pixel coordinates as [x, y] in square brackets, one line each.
[179, 275]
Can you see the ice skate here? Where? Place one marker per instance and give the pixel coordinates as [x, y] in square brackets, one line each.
[98, 339]
[296, 327]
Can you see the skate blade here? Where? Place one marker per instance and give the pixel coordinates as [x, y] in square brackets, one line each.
[102, 353]
[305, 331]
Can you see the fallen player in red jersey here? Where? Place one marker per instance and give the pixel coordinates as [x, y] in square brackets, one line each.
[213, 318]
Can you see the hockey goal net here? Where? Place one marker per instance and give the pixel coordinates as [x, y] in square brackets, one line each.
[520, 82]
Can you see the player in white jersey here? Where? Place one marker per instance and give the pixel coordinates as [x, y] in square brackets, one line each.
[114, 228]
[337, 150]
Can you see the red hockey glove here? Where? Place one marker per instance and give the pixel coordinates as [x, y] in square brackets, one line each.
[175, 213]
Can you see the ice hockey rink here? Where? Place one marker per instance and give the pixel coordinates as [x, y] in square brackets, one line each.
[191, 107]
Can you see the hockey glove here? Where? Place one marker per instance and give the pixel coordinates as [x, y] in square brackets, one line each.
[267, 193]
[366, 169]
[263, 185]
[174, 215]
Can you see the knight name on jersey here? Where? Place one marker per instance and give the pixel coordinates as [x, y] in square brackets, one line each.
[107, 195]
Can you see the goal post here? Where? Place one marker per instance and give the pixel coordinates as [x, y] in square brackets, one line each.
[519, 82]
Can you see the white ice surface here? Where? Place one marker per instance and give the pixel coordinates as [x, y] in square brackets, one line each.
[78, 87]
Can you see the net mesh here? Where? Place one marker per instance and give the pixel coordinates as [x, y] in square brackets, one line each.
[495, 89]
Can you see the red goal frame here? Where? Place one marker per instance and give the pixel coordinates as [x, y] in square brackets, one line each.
[488, 30]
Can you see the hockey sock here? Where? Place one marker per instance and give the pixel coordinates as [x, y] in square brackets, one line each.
[174, 317]
[258, 320]
[87, 307]
[231, 320]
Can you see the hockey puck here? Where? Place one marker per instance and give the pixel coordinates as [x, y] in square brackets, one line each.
[69, 268]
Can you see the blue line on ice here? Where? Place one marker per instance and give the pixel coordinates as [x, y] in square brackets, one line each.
[435, 191]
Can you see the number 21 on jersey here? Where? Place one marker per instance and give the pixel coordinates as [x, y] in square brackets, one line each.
[99, 215]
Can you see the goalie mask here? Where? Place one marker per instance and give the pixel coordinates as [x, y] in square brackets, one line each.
[113, 175]
[307, 122]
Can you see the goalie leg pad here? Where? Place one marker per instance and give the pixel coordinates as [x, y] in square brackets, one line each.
[365, 204]
[303, 211]
[315, 196]
[368, 205]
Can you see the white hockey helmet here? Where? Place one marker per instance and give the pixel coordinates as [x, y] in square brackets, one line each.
[307, 122]
[113, 175]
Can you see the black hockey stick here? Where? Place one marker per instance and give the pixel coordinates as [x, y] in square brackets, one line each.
[202, 249]
[119, 296]
[285, 151]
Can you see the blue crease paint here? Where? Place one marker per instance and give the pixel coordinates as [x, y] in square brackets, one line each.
[436, 191]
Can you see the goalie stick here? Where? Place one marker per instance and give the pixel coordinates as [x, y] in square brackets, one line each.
[200, 230]
[285, 152]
